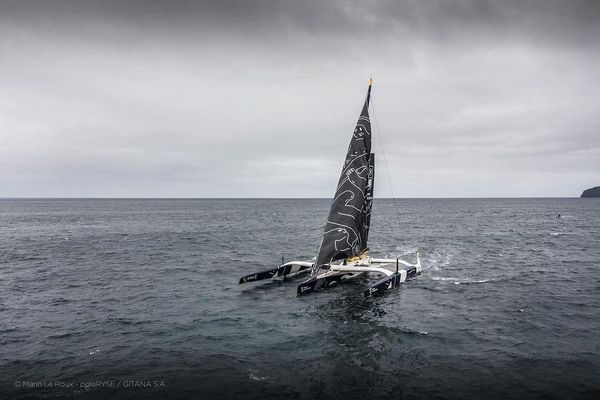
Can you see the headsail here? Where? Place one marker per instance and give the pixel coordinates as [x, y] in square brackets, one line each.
[347, 227]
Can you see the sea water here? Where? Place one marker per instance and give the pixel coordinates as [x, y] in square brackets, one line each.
[140, 299]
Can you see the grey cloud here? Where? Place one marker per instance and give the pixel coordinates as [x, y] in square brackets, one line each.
[554, 20]
[257, 98]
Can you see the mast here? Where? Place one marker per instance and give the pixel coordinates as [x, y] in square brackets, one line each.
[347, 227]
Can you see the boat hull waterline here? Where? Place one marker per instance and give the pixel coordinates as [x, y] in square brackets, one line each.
[394, 272]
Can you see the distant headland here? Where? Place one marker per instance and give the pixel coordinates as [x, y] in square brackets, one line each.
[592, 192]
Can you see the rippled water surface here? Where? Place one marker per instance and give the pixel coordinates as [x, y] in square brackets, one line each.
[139, 292]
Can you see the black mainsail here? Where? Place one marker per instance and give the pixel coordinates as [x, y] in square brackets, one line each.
[347, 227]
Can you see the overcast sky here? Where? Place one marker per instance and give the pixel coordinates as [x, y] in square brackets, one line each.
[259, 98]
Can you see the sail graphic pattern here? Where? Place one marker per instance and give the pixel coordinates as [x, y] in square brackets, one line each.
[346, 230]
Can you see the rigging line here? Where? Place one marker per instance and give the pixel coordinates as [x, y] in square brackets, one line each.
[385, 161]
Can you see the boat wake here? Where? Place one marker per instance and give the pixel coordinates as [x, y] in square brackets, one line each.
[473, 282]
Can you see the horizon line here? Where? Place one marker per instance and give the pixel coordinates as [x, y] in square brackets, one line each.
[273, 198]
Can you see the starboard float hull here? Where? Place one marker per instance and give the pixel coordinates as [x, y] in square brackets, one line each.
[391, 281]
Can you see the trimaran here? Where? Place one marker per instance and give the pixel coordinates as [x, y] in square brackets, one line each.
[343, 251]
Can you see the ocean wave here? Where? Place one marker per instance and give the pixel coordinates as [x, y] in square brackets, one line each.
[459, 281]
[254, 375]
[443, 278]
[473, 282]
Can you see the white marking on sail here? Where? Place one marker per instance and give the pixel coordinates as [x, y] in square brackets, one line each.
[347, 215]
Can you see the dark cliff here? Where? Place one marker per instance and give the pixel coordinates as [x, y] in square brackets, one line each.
[593, 192]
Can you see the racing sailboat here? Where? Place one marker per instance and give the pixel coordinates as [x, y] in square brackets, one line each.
[343, 253]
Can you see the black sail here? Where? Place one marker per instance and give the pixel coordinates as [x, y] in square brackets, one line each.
[347, 228]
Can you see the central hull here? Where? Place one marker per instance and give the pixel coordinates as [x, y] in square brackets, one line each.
[394, 272]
